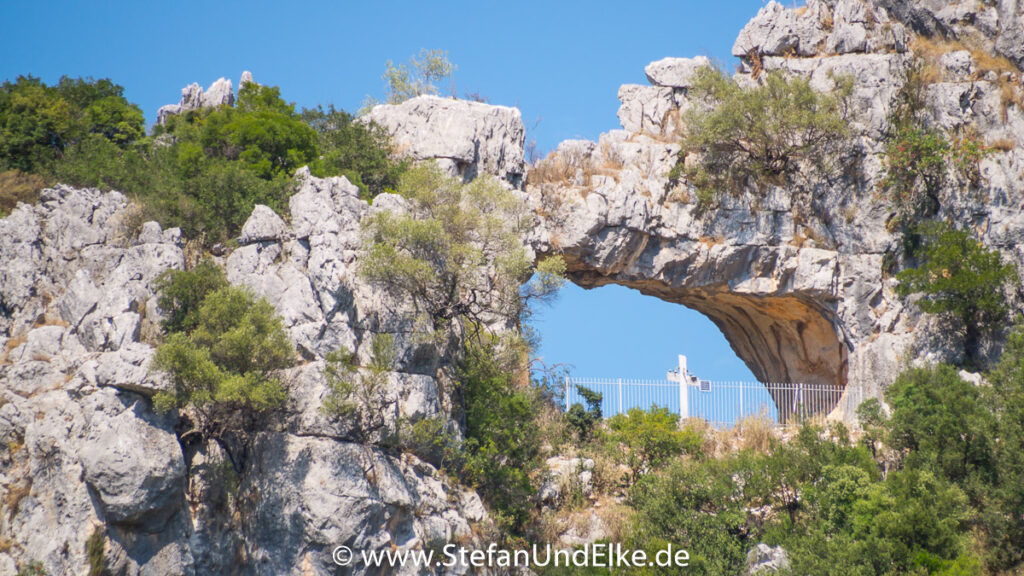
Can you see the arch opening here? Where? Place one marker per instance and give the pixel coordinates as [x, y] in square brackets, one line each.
[789, 343]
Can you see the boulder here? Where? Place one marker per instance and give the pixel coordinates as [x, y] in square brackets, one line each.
[132, 462]
[468, 138]
[263, 225]
[764, 559]
[675, 72]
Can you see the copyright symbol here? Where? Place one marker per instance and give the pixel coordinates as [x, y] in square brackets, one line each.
[342, 555]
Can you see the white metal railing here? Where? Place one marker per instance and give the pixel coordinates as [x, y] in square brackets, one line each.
[720, 403]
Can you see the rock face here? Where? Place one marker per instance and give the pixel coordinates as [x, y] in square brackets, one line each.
[220, 93]
[797, 286]
[85, 454]
[468, 138]
[764, 559]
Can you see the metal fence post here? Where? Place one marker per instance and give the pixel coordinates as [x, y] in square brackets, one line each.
[567, 393]
[619, 383]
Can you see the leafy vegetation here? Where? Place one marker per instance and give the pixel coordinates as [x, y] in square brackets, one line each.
[582, 420]
[649, 438]
[502, 448]
[921, 160]
[220, 357]
[422, 76]
[38, 123]
[203, 171]
[432, 254]
[746, 138]
[355, 149]
[359, 396]
[961, 279]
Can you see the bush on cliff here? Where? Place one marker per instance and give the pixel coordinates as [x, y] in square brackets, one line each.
[39, 122]
[432, 255]
[220, 357]
[960, 279]
[747, 138]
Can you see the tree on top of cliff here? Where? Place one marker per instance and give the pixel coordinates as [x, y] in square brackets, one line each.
[749, 137]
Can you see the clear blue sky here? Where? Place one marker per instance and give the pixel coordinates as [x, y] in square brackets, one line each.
[560, 62]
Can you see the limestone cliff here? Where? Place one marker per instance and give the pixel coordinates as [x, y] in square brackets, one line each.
[796, 283]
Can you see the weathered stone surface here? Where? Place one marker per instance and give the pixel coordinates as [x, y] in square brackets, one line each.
[764, 559]
[470, 138]
[263, 225]
[220, 93]
[675, 72]
[131, 462]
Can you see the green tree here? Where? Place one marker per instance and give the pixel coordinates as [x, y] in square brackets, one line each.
[421, 76]
[358, 150]
[650, 437]
[222, 365]
[960, 278]
[1003, 514]
[940, 424]
[182, 293]
[582, 420]
[748, 137]
[38, 122]
[432, 255]
[502, 447]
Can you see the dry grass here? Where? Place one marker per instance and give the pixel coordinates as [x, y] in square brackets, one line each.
[574, 168]
[1002, 145]
[755, 433]
[1009, 95]
[16, 492]
[17, 186]
[9, 346]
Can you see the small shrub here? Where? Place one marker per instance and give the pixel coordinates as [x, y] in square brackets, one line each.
[360, 151]
[222, 367]
[17, 186]
[502, 447]
[650, 438]
[961, 279]
[33, 568]
[181, 293]
[95, 551]
[421, 76]
[582, 420]
[432, 255]
[749, 138]
[360, 396]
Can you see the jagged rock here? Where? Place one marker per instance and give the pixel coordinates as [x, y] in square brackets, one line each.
[764, 559]
[648, 109]
[220, 93]
[246, 79]
[675, 72]
[469, 138]
[263, 225]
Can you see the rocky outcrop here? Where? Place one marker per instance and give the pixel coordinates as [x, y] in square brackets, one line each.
[795, 281]
[765, 559]
[193, 97]
[467, 138]
[86, 455]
